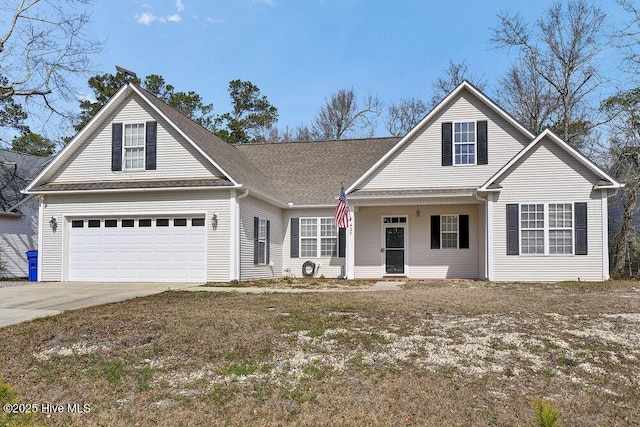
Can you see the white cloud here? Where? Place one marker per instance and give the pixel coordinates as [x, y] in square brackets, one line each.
[175, 18]
[179, 5]
[146, 18]
[267, 2]
[213, 21]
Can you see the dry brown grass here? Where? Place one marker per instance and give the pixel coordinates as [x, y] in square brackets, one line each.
[435, 353]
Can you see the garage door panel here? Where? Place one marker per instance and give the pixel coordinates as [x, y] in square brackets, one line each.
[164, 254]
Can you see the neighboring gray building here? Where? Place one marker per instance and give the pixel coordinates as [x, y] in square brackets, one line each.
[142, 193]
[18, 212]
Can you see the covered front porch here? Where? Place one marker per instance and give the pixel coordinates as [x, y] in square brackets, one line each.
[416, 234]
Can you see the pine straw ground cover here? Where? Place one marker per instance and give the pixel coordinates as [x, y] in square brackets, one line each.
[434, 353]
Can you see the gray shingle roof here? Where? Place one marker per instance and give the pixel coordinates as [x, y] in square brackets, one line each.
[311, 172]
[297, 172]
[16, 171]
[121, 185]
[231, 160]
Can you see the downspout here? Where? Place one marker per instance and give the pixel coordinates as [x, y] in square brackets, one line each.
[486, 235]
[238, 261]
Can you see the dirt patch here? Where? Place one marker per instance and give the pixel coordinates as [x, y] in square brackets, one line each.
[298, 283]
[436, 353]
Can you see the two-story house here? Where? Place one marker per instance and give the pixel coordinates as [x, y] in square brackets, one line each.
[142, 193]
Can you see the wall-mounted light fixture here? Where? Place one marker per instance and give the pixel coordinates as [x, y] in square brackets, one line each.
[53, 223]
[418, 212]
[214, 220]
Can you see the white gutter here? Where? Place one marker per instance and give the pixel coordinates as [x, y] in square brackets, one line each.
[236, 261]
[486, 231]
[130, 190]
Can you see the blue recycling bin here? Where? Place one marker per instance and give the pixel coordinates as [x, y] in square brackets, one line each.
[32, 259]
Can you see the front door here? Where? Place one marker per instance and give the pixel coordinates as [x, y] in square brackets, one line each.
[394, 244]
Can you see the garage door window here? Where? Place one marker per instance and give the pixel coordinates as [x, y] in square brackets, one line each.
[180, 222]
[145, 222]
[94, 223]
[197, 222]
[77, 223]
[128, 222]
[162, 222]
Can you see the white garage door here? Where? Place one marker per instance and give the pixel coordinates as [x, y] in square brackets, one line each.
[163, 249]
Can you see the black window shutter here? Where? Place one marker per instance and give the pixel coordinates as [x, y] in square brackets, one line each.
[435, 231]
[268, 255]
[464, 231]
[295, 236]
[483, 147]
[150, 145]
[447, 143]
[513, 238]
[342, 242]
[581, 228]
[256, 246]
[116, 147]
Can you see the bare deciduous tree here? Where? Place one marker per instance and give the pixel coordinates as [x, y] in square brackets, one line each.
[402, 117]
[343, 115]
[527, 96]
[454, 75]
[561, 48]
[42, 45]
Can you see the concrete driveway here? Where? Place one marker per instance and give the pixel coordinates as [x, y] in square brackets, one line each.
[29, 300]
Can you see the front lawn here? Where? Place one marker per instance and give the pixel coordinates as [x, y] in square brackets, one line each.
[434, 353]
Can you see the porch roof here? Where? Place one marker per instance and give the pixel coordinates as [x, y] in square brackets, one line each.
[413, 192]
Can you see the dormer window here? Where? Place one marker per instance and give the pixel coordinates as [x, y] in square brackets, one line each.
[464, 143]
[134, 146]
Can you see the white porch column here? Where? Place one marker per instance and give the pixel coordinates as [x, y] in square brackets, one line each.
[489, 236]
[234, 236]
[350, 260]
[605, 234]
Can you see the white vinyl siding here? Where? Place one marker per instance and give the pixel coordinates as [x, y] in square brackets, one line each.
[330, 266]
[19, 234]
[157, 204]
[250, 208]
[422, 261]
[175, 158]
[418, 164]
[549, 175]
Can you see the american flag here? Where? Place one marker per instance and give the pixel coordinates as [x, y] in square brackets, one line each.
[341, 219]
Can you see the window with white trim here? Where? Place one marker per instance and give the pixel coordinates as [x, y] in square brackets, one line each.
[561, 228]
[318, 236]
[134, 146]
[262, 241]
[532, 229]
[449, 231]
[464, 143]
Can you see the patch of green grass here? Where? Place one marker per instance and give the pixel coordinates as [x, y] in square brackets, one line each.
[112, 371]
[567, 361]
[318, 370]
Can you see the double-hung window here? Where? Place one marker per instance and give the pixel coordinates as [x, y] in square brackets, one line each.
[561, 228]
[532, 228]
[262, 241]
[449, 231]
[464, 143]
[318, 237]
[134, 143]
[546, 228]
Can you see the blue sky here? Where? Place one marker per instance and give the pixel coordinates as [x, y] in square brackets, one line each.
[300, 51]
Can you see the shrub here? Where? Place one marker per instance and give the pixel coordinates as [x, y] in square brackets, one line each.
[546, 414]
